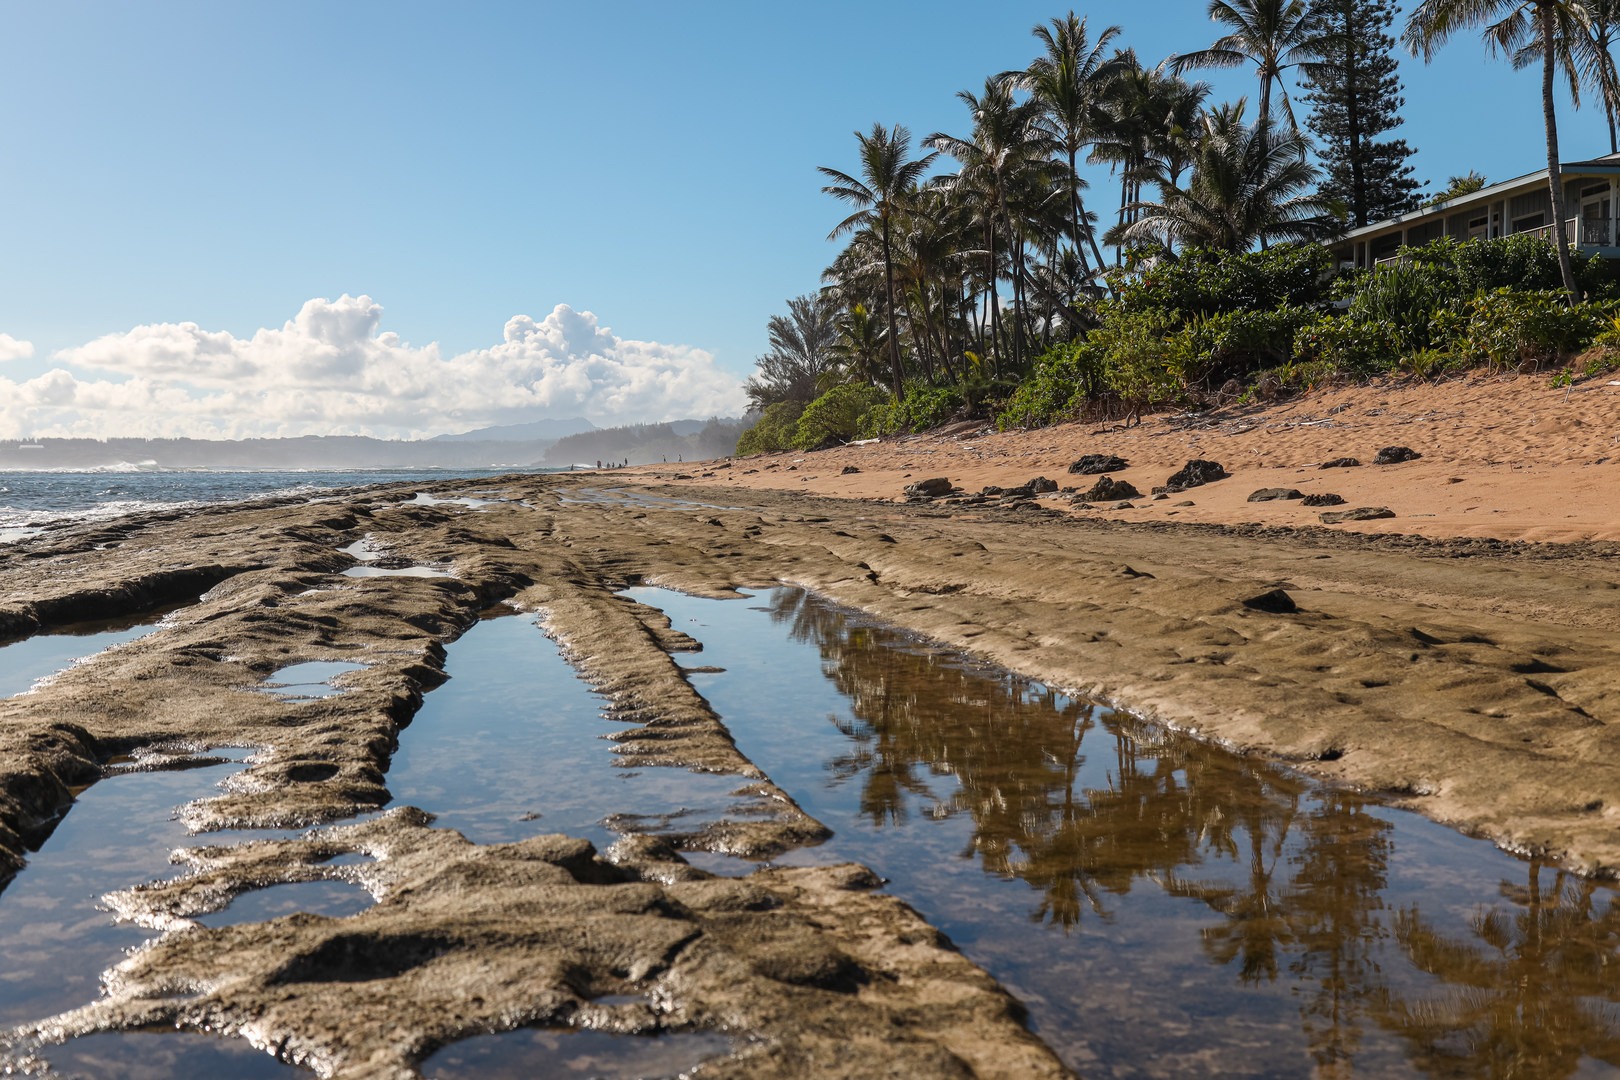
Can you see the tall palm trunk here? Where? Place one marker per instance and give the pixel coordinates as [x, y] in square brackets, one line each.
[896, 373]
[1555, 179]
[1074, 212]
[991, 300]
[1078, 211]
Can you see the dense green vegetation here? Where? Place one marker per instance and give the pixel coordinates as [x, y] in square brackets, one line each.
[989, 291]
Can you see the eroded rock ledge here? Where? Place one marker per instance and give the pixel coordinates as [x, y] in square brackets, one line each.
[811, 971]
[1479, 684]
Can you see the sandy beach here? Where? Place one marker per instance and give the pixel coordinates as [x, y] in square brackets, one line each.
[1504, 457]
[1457, 657]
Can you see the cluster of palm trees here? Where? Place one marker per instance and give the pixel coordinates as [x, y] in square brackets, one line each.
[964, 277]
[975, 271]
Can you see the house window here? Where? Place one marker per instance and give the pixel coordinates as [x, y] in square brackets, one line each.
[1479, 227]
[1528, 222]
[1385, 246]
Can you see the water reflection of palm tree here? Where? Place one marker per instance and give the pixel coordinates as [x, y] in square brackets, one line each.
[1255, 924]
[1335, 903]
[1531, 995]
[1529, 992]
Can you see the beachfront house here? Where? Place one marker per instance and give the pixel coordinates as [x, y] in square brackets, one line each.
[1521, 205]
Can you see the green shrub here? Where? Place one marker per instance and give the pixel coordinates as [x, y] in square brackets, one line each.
[923, 407]
[1608, 335]
[1604, 362]
[1234, 344]
[1140, 367]
[773, 431]
[1202, 282]
[1429, 363]
[1405, 298]
[1523, 261]
[1347, 344]
[1064, 377]
[835, 416]
[1507, 328]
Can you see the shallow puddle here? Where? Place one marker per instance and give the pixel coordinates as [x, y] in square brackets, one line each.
[23, 663]
[363, 550]
[511, 747]
[332, 898]
[158, 1055]
[396, 571]
[55, 937]
[424, 499]
[1164, 908]
[531, 1052]
[308, 681]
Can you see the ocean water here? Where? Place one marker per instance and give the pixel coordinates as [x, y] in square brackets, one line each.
[31, 500]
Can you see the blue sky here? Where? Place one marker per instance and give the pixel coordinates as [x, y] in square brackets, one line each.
[635, 180]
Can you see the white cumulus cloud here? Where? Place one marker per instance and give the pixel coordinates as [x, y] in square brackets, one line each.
[12, 349]
[331, 369]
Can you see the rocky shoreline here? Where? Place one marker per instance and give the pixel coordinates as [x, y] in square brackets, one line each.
[1473, 680]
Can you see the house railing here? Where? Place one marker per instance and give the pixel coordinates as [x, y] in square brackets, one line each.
[1596, 232]
[1581, 231]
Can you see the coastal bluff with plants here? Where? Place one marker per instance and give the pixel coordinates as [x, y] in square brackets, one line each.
[980, 282]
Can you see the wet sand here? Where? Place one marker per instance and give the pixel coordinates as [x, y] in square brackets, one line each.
[1470, 675]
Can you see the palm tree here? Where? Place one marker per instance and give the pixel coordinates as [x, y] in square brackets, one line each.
[1583, 45]
[1149, 114]
[1509, 26]
[887, 179]
[1604, 19]
[1069, 81]
[1249, 183]
[1005, 150]
[801, 344]
[860, 345]
[1273, 35]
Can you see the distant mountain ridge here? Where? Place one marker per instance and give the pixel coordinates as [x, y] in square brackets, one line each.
[512, 446]
[535, 431]
[315, 452]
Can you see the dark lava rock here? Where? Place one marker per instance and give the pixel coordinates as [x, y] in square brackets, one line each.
[1128, 571]
[1391, 455]
[1195, 473]
[1276, 494]
[1160, 495]
[1325, 498]
[1041, 485]
[1126, 505]
[1276, 602]
[1186, 502]
[1107, 489]
[991, 489]
[931, 488]
[1360, 513]
[1340, 463]
[1097, 464]
[847, 470]
[1084, 506]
